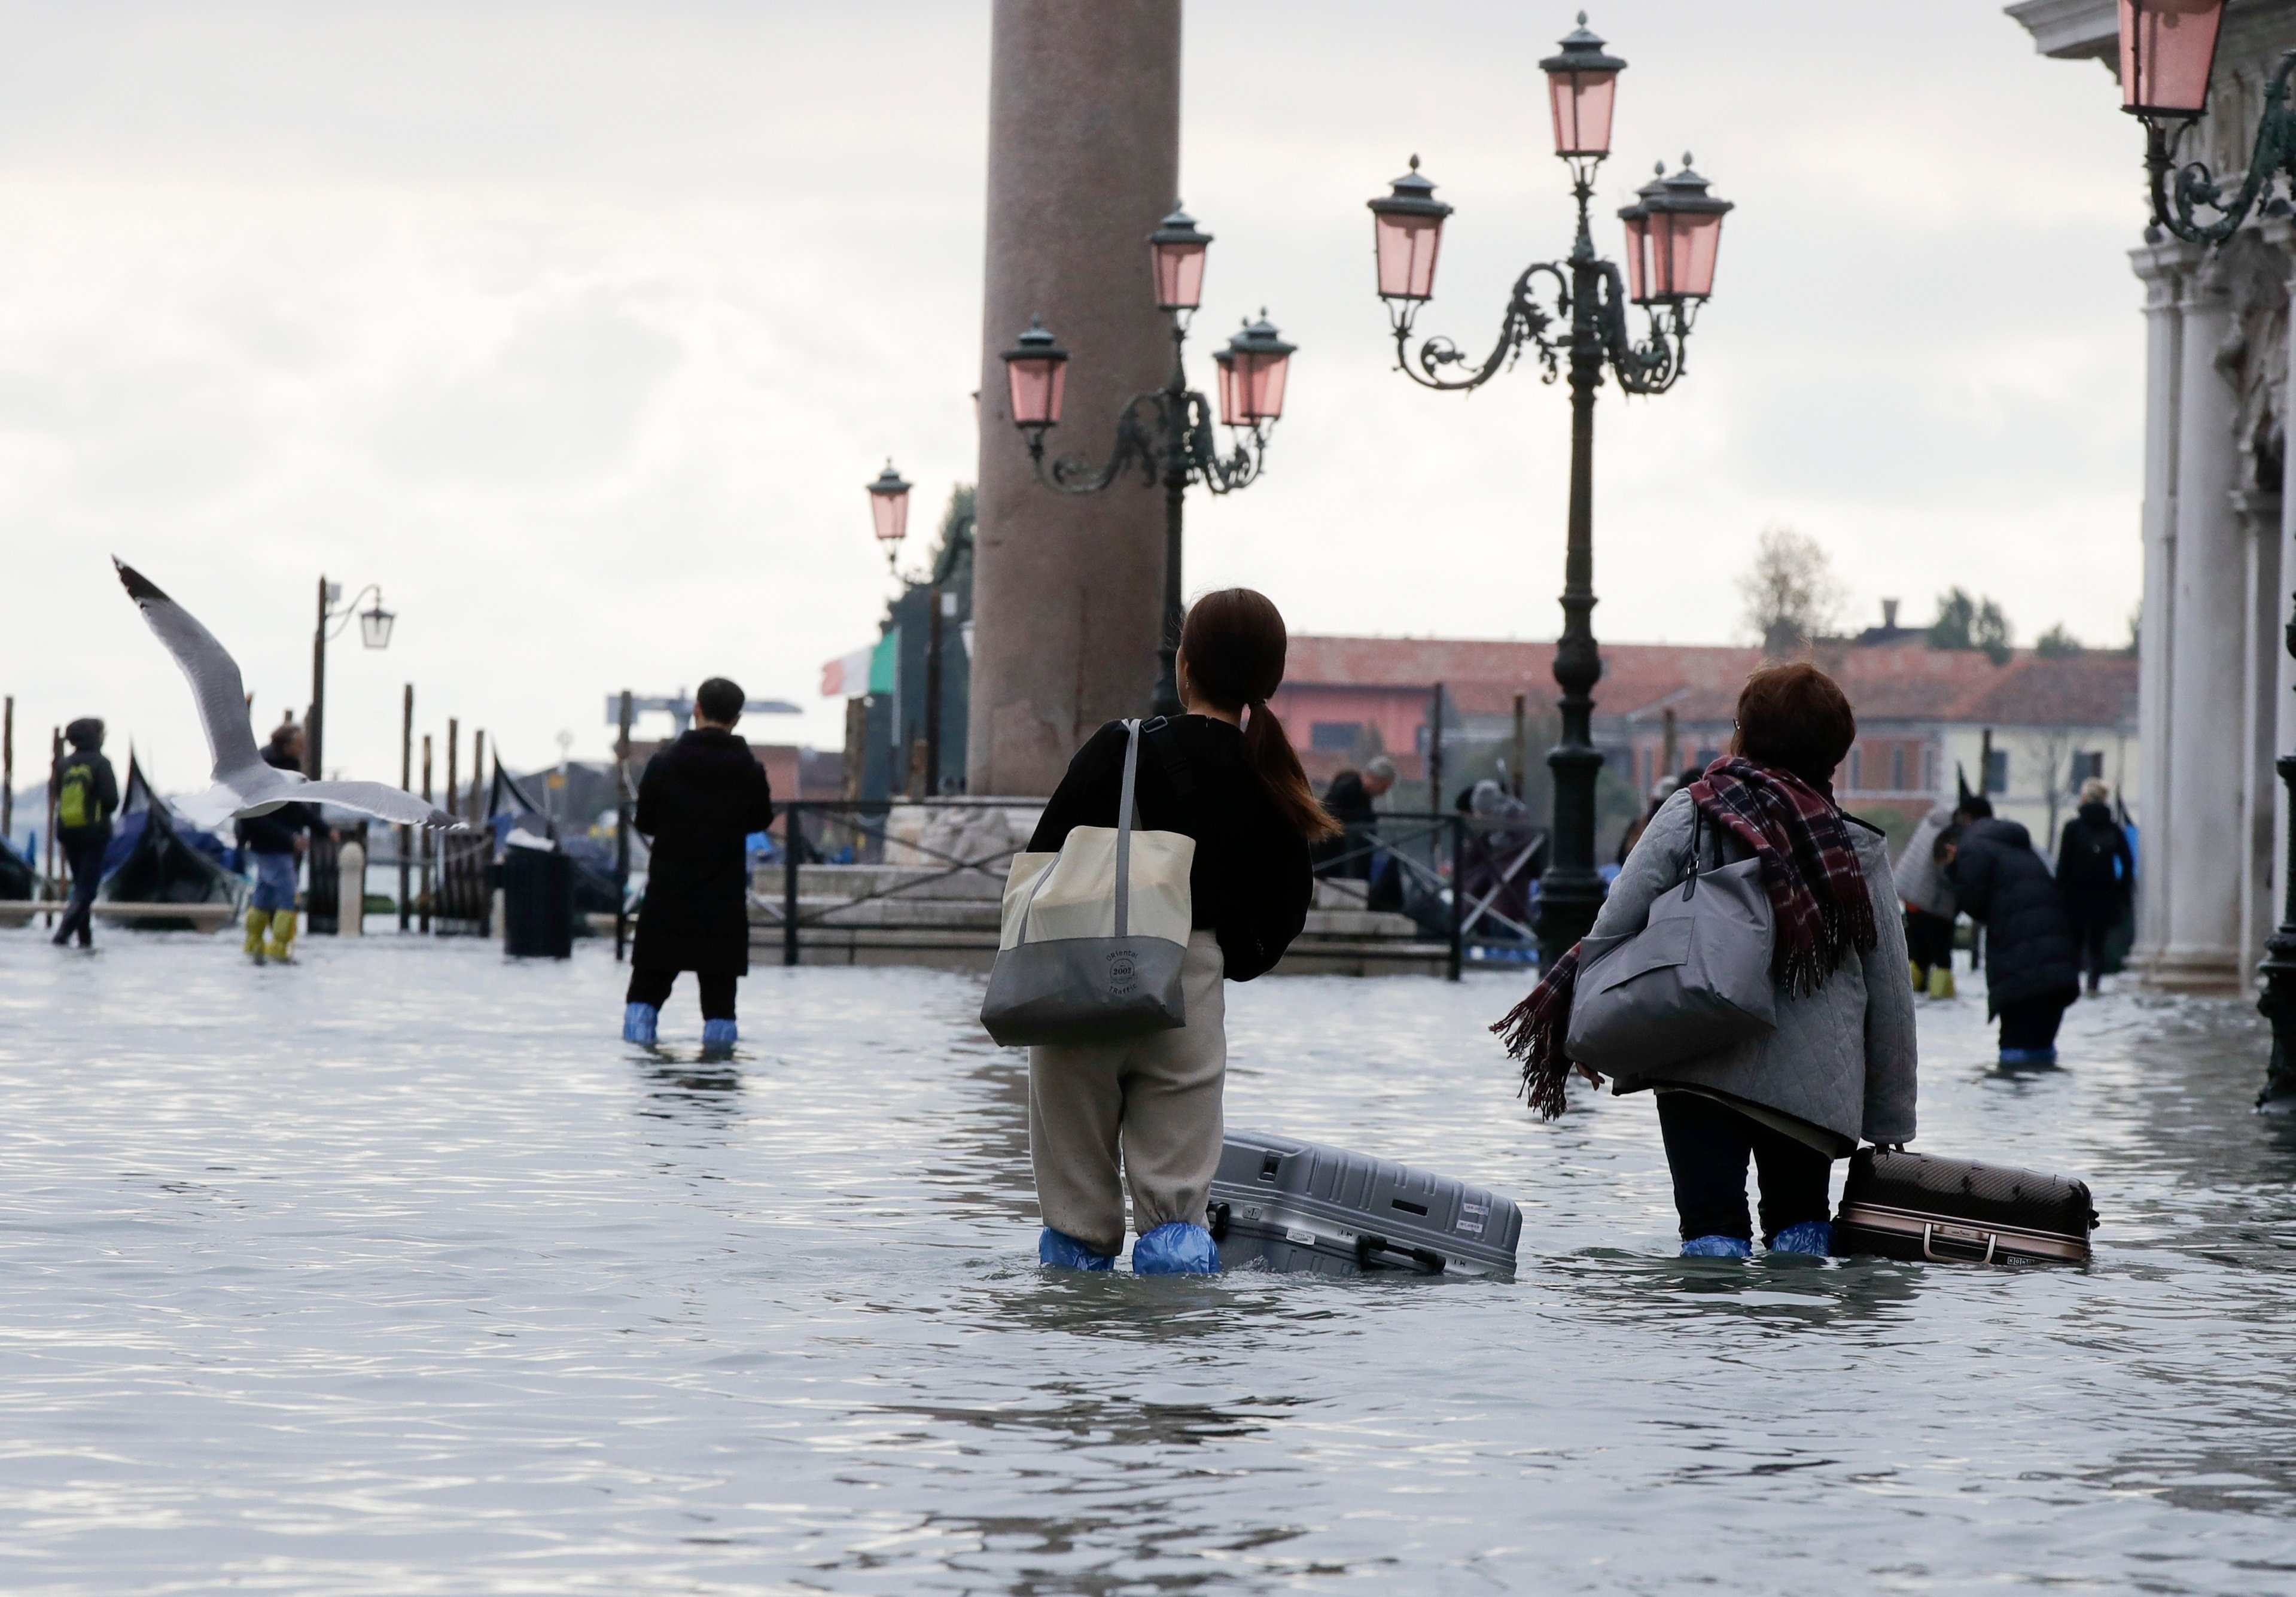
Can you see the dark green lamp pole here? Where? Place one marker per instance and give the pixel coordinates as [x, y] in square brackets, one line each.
[1165, 434]
[1674, 230]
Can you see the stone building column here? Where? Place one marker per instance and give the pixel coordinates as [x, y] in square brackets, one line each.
[2207, 721]
[2162, 268]
[2260, 514]
[1084, 138]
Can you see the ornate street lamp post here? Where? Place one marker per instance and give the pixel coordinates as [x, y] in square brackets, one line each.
[1166, 434]
[2168, 51]
[888, 507]
[1674, 230]
[374, 631]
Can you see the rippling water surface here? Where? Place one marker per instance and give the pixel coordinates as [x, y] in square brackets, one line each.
[394, 1272]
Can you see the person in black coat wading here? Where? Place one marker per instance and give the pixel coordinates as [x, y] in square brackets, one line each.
[2030, 973]
[1226, 775]
[698, 802]
[2096, 872]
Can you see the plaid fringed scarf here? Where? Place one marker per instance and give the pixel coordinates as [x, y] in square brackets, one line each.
[1817, 895]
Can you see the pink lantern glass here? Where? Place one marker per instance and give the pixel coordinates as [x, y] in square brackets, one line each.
[1036, 371]
[1231, 395]
[889, 508]
[1253, 370]
[1175, 255]
[1582, 84]
[1639, 274]
[1674, 237]
[1407, 231]
[2168, 49]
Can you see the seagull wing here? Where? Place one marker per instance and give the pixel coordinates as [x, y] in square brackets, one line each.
[213, 673]
[378, 799]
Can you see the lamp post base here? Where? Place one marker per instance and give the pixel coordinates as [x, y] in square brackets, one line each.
[2278, 967]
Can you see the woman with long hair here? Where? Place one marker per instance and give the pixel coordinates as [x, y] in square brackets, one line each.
[1840, 1064]
[1145, 1112]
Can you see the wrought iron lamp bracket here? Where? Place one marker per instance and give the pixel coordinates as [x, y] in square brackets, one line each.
[1654, 365]
[1525, 323]
[340, 618]
[2176, 205]
[1135, 447]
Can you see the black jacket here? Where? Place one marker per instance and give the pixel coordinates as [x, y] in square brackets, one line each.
[699, 798]
[2029, 943]
[1251, 883]
[1350, 802]
[2094, 868]
[103, 788]
[275, 831]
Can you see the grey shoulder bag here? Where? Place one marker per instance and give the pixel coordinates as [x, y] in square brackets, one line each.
[1694, 980]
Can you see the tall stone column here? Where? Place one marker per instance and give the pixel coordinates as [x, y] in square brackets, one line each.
[2261, 515]
[2207, 723]
[2162, 268]
[1084, 138]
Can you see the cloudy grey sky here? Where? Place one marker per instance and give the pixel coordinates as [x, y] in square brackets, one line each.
[580, 326]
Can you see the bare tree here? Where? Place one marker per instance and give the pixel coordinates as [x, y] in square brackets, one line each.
[1792, 596]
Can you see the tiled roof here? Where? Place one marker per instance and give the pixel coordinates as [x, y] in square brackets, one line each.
[1904, 680]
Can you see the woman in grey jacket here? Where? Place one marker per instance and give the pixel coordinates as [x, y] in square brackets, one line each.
[1840, 1064]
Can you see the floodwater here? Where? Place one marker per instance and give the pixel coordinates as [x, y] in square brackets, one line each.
[393, 1272]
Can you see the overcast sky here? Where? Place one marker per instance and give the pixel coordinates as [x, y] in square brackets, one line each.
[580, 328]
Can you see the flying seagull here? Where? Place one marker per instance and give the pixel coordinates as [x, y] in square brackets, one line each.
[244, 784]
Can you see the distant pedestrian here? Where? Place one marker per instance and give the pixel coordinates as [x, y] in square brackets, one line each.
[87, 797]
[698, 802]
[2095, 874]
[1661, 790]
[2031, 970]
[1348, 800]
[1841, 1066]
[1930, 906]
[1146, 1113]
[273, 843]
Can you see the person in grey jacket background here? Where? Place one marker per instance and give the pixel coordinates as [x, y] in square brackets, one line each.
[1841, 1063]
[1931, 905]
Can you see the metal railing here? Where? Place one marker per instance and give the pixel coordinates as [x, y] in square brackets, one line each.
[1408, 863]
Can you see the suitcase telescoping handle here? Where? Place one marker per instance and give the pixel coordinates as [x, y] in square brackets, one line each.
[1429, 1261]
[1929, 1251]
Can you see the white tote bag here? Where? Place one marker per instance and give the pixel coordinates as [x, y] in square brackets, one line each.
[1094, 935]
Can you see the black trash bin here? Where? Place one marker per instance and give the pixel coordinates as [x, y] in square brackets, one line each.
[538, 903]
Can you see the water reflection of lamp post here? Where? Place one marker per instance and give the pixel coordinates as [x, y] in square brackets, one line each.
[374, 631]
[2167, 52]
[1166, 434]
[1673, 231]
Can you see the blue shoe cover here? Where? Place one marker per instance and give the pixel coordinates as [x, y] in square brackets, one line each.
[719, 1034]
[2029, 1055]
[1810, 1236]
[1177, 1249]
[1060, 1248]
[1718, 1248]
[638, 1022]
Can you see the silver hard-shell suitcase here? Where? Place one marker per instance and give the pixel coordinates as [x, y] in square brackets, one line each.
[1288, 1205]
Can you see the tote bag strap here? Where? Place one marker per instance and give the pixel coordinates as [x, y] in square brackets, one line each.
[1124, 828]
[1123, 844]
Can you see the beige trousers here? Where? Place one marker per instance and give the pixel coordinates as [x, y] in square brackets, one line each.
[1155, 1099]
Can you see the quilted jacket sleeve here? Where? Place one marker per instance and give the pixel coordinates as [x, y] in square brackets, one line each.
[1889, 1046]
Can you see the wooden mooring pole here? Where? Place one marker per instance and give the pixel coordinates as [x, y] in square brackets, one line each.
[56, 763]
[405, 781]
[622, 831]
[426, 837]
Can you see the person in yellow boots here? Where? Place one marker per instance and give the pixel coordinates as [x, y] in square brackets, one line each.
[1930, 904]
[274, 843]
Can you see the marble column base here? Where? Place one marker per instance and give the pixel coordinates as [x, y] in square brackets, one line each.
[2193, 971]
